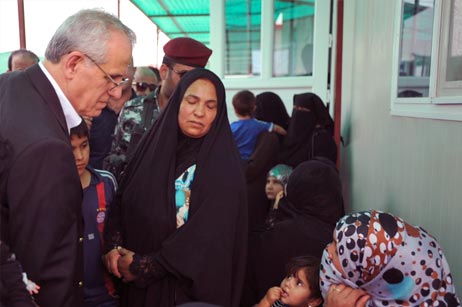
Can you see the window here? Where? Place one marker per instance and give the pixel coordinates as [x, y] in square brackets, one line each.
[291, 37]
[272, 45]
[427, 74]
[243, 20]
[450, 83]
[415, 49]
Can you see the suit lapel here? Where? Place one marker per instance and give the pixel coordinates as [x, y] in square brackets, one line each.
[46, 90]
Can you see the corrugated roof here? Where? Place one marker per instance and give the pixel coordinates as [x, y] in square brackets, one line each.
[192, 17]
[179, 18]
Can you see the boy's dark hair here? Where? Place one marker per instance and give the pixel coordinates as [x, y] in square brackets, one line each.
[80, 131]
[310, 265]
[244, 103]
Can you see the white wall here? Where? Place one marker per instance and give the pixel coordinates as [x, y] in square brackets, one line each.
[407, 166]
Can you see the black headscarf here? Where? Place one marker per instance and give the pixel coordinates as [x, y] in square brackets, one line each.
[205, 257]
[271, 108]
[314, 189]
[310, 133]
[313, 205]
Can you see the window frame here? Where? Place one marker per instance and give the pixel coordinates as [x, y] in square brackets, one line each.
[434, 106]
[453, 88]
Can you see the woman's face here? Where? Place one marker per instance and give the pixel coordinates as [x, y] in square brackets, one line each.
[273, 187]
[198, 108]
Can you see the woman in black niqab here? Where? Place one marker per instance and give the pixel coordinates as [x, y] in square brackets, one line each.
[204, 258]
[310, 132]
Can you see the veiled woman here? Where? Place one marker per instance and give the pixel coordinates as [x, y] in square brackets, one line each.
[181, 213]
[310, 132]
[377, 259]
[304, 226]
[271, 108]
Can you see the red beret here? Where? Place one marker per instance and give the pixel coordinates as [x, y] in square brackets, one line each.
[186, 51]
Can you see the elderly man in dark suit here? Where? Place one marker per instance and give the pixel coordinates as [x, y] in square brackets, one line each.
[86, 62]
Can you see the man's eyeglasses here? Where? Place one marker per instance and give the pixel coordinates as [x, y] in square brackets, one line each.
[142, 86]
[180, 73]
[108, 76]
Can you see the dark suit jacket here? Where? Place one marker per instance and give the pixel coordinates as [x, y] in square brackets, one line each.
[43, 191]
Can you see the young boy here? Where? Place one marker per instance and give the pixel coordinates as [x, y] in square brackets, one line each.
[98, 192]
[300, 288]
[247, 128]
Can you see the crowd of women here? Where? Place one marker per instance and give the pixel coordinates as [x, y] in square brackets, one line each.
[178, 231]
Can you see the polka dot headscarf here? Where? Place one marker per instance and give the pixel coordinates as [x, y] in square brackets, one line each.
[396, 263]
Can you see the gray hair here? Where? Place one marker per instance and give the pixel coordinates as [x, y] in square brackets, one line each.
[86, 31]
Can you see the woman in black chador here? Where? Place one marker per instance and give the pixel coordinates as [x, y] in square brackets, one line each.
[180, 217]
[303, 226]
[311, 132]
[271, 108]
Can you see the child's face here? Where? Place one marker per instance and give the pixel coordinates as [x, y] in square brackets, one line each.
[296, 290]
[273, 187]
[81, 150]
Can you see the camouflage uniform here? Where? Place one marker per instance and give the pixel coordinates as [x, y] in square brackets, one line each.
[135, 118]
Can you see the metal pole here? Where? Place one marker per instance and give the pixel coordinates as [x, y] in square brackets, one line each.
[22, 27]
[338, 78]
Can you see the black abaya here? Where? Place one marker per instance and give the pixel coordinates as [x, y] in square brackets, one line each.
[310, 133]
[204, 259]
[306, 222]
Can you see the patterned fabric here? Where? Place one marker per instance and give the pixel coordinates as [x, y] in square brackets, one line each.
[281, 172]
[130, 119]
[278, 303]
[128, 131]
[396, 263]
[183, 195]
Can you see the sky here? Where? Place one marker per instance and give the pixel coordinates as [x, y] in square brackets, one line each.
[44, 16]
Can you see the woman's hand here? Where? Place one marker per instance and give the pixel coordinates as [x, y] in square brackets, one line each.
[110, 261]
[123, 264]
[343, 296]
